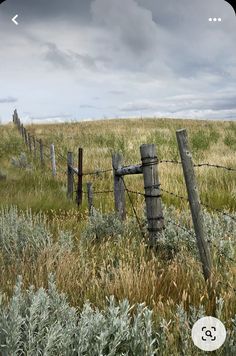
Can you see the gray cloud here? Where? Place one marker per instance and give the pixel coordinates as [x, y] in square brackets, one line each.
[134, 55]
[67, 59]
[8, 100]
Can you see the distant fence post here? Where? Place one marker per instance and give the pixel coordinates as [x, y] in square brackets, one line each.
[22, 130]
[25, 137]
[41, 152]
[194, 201]
[15, 116]
[70, 175]
[90, 197]
[34, 147]
[152, 192]
[29, 142]
[53, 160]
[119, 189]
[80, 177]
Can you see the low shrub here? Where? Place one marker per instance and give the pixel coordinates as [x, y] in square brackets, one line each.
[37, 322]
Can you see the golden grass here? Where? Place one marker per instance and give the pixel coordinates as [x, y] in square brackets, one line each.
[139, 275]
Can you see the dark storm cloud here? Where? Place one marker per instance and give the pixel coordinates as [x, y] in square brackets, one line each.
[8, 100]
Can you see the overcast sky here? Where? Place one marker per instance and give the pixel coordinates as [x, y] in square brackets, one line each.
[87, 59]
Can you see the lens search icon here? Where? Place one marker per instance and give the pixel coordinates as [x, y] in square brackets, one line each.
[208, 333]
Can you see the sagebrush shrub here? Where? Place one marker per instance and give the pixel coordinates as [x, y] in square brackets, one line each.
[21, 161]
[22, 232]
[101, 226]
[41, 322]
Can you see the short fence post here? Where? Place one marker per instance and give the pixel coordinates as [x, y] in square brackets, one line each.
[34, 147]
[53, 160]
[41, 152]
[29, 142]
[152, 192]
[80, 177]
[70, 175]
[119, 189]
[90, 197]
[194, 201]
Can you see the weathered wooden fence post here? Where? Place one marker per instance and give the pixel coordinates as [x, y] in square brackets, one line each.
[29, 142]
[119, 189]
[80, 177]
[152, 192]
[90, 197]
[41, 152]
[53, 160]
[194, 201]
[70, 175]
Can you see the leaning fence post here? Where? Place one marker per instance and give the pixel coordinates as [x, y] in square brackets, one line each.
[90, 197]
[53, 160]
[119, 189]
[80, 177]
[194, 200]
[29, 142]
[41, 152]
[70, 175]
[152, 192]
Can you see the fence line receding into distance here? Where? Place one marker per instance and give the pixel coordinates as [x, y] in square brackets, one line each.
[152, 187]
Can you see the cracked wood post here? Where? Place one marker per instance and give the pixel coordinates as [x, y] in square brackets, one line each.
[152, 193]
[119, 189]
[41, 152]
[70, 176]
[53, 160]
[90, 197]
[194, 201]
[80, 177]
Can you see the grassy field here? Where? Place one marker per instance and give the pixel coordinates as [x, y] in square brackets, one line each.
[118, 261]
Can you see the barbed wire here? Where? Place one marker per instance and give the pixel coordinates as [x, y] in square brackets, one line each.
[215, 166]
[134, 210]
[97, 172]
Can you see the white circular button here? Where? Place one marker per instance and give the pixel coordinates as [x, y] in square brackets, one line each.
[208, 333]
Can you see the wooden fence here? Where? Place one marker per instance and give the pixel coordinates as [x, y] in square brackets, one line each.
[148, 168]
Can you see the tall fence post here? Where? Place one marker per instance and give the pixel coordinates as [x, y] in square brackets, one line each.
[80, 177]
[90, 197]
[119, 189]
[41, 152]
[53, 160]
[194, 201]
[152, 192]
[70, 175]
[29, 142]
